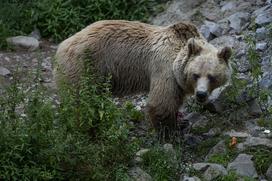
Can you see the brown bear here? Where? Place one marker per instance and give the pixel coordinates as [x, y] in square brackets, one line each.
[168, 62]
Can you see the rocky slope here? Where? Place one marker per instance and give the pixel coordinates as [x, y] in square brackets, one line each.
[231, 144]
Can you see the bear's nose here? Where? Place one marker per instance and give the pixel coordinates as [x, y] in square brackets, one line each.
[201, 95]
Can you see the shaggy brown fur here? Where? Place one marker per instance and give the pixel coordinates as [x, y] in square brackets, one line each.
[140, 58]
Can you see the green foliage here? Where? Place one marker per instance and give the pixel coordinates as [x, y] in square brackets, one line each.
[61, 18]
[83, 138]
[204, 147]
[225, 158]
[262, 158]
[161, 165]
[135, 115]
[233, 176]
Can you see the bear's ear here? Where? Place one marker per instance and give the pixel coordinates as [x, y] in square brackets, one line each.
[185, 30]
[225, 54]
[193, 47]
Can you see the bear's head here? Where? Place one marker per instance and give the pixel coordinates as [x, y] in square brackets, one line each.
[202, 68]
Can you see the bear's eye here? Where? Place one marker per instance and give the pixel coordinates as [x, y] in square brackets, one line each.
[211, 78]
[195, 76]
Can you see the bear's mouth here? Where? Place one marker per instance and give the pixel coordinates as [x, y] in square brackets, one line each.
[202, 100]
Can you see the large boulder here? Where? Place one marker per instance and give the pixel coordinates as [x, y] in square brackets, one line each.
[23, 43]
[243, 166]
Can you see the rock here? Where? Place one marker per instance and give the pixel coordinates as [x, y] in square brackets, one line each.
[239, 47]
[219, 148]
[177, 10]
[243, 166]
[197, 120]
[35, 34]
[138, 160]
[260, 2]
[261, 46]
[238, 21]
[261, 33]
[256, 141]
[213, 132]
[46, 66]
[269, 172]
[236, 134]
[216, 99]
[23, 43]
[263, 15]
[228, 6]
[192, 140]
[253, 129]
[266, 82]
[254, 109]
[141, 152]
[138, 174]
[211, 170]
[186, 178]
[4, 71]
[210, 30]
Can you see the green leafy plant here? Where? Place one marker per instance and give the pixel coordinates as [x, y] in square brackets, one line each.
[59, 19]
[160, 164]
[262, 158]
[85, 137]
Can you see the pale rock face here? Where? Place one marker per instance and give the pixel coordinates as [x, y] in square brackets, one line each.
[23, 42]
[243, 166]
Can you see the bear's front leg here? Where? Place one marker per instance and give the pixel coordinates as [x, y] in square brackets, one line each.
[164, 100]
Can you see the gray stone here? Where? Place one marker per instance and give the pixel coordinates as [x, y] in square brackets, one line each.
[210, 170]
[138, 174]
[213, 132]
[141, 152]
[243, 64]
[230, 41]
[261, 33]
[35, 34]
[216, 99]
[263, 15]
[228, 6]
[243, 166]
[254, 109]
[219, 148]
[23, 43]
[4, 71]
[186, 178]
[138, 160]
[266, 82]
[256, 141]
[177, 10]
[234, 133]
[238, 21]
[261, 46]
[211, 30]
[194, 117]
[192, 140]
[269, 172]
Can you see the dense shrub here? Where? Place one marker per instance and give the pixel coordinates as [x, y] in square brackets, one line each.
[60, 18]
[85, 137]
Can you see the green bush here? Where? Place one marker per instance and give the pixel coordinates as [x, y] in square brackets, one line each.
[59, 19]
[83, 138]
[161, 165]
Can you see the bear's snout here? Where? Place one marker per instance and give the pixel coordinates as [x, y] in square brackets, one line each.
[201, 96]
